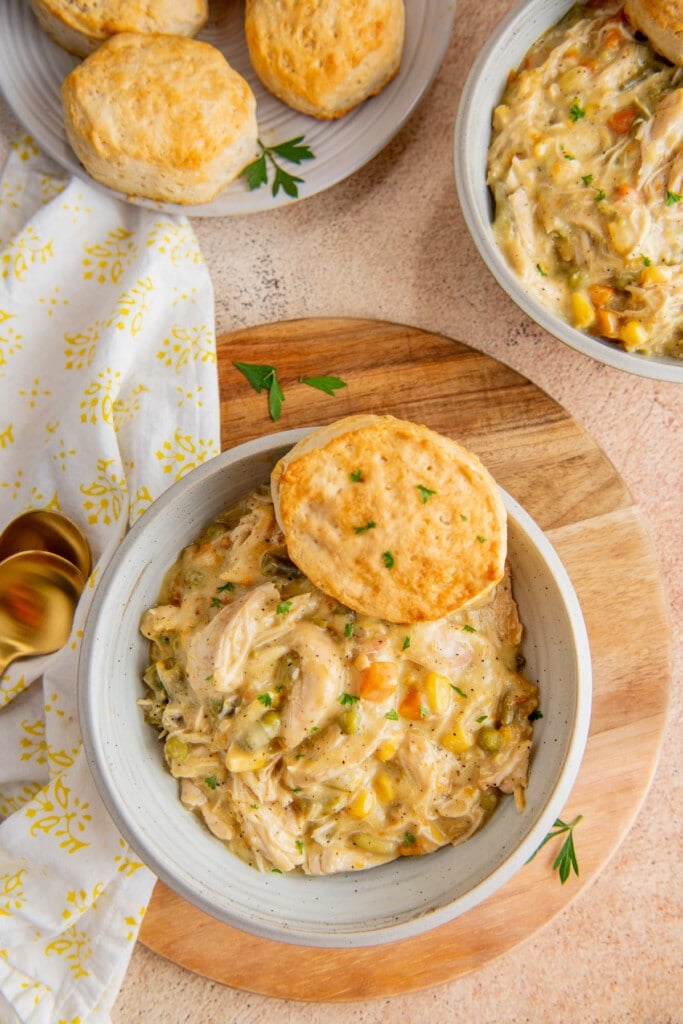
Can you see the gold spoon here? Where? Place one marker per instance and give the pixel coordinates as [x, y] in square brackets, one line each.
[44, 530]
[39, 592]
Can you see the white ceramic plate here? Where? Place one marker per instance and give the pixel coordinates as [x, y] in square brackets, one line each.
[393, 901]
[484, 87]
[32, 68]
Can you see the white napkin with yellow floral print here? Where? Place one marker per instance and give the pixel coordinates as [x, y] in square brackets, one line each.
[108, 393]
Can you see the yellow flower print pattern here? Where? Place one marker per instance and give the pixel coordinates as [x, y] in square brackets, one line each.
[107, 339]
[58, 812]
[184, 453]
[108, 260]
[105, 495]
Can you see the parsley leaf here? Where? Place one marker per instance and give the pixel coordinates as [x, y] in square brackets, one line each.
[348, 698]
[461, 693]
[672, 198]
[348, 629]
[600, 195]
[468, 628]
[409, 839]
[256, 173]
[211, 781]
[586, 179]
[264, 377]
[356, 475]
[216, 602]
[566, 860]
[265, 699]
[326, 383]
[226, 586]
[388, 560]
[576, 111]
[284, 608]
[406, 643]
[392, 715]
[370, 525]
[541, 271]
[425, 493]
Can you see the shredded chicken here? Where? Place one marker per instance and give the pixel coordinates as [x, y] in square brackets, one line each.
[257, 690]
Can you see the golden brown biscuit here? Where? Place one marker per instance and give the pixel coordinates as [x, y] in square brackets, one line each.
[324, 57]
[662, 22]
[80, 27]
[391, 518]
[160, 116]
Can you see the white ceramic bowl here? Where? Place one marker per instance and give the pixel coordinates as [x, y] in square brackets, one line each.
[393, 901]
[483, 90]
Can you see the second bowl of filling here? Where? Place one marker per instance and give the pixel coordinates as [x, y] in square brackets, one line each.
[573, 189]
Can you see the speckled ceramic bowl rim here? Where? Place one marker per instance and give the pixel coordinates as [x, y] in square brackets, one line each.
[483, 89]
[387, 903]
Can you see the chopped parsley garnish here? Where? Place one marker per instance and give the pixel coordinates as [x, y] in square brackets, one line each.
[600, 195]
[370, 525]
[300, 845]
[263, 377]
[567, 156]
[535, 715]
[348, 698]
[586, 179]
[388, 560]
[392, 715]
[348, 629]
[566, 860]
[356, 475]
[256, 173]
[265, 699]
[576, 111]
[226, 586]
[284, 608]
[409, 839]
[296, 789]
[468, 628]
[463, 517]
[327, 384]
[423, 711]
[647, 262]
[425, 493]
[672, 198]
[275, 871]
[482, 718]
[541, 271]
[461, 693]
[406, 643]
[211, 781]
[255, 807]
[208, 678]
[482, 540]
[216, 602]
[315, 728]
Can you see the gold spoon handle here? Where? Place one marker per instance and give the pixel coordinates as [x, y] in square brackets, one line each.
[8, 653]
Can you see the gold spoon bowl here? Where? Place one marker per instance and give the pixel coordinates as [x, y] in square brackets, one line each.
[39, 592]
[45, 530]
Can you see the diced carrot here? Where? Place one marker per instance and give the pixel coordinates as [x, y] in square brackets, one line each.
[571, 53]
[607, 323]
[621, 120]
[590, 64]
[613, 38]
[413, 706]
[378, 681]
[625, 190]
[600, 294]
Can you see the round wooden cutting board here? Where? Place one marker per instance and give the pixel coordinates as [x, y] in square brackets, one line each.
[549, 464]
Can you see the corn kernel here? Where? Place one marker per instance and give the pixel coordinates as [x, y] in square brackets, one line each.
[361, 805]
[384, 787]
[437, 689]
[239, 760]
[386, 750]
[506, 733]
[582, 307]
[456, 740]
[633, 335]
[655, 275]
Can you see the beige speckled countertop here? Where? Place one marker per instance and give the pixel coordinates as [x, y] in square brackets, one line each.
[390, 242]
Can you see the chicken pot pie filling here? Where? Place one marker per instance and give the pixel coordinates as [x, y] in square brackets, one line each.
[310, 737]
[586, 170]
